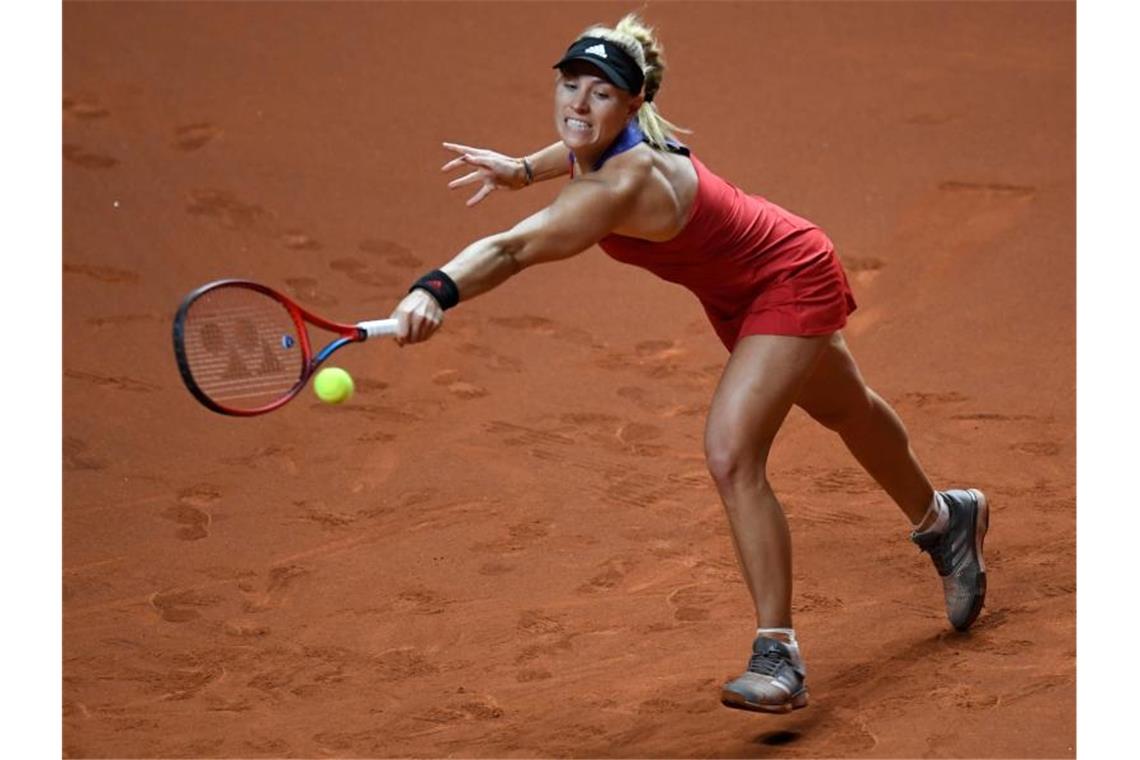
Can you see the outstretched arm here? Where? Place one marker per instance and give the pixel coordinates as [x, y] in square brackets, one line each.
[585, 211]
[494, 170]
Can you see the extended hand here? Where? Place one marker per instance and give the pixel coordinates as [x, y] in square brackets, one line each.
[417, 317]
[492, 170]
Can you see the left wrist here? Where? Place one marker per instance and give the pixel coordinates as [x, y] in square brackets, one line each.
[525, 173]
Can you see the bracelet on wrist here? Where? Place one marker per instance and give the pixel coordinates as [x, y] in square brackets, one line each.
[529, 172]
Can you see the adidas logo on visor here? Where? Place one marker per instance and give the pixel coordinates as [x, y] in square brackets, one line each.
[598, 50]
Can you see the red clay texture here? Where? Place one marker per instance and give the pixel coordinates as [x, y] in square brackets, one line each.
[507, 543]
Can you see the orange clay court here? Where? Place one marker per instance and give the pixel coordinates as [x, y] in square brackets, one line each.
[507, 543]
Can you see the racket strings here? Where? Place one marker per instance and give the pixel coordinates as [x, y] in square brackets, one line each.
[242, 347]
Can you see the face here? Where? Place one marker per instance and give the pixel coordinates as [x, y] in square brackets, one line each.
[590, 111]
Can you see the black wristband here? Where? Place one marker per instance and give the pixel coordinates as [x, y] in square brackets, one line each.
[442, 288]
[529, 172]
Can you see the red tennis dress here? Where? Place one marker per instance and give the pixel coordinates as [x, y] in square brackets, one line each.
[757, 268]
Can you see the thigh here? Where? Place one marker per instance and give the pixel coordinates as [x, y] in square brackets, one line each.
[760, 383]
[835, 389]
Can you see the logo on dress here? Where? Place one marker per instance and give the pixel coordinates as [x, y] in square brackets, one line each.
[598, 50]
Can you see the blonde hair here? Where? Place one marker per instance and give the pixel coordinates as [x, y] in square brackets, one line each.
[637, 39]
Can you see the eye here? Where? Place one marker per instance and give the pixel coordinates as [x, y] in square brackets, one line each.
[602, 95]
[570, 85]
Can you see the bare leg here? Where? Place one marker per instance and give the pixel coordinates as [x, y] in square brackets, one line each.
[836, 396]
[760, 383]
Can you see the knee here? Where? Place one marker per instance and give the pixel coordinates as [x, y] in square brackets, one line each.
[733, 462]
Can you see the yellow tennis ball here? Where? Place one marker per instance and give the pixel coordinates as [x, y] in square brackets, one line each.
[333, 385]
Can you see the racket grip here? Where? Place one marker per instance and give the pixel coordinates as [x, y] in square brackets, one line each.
[376, 327]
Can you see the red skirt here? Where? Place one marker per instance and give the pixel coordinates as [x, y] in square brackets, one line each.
[807, 298]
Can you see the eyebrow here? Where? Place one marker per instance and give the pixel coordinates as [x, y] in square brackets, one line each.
[597, 80]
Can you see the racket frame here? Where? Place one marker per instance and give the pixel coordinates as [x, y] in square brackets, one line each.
[348, 334]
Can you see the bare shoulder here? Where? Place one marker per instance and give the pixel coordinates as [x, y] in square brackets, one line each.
[627, 172]
[635, 164]
[663, 186]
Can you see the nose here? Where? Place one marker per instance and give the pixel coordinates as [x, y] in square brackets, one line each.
[580, 101]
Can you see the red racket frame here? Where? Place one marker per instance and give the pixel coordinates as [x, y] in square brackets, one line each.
[310, 363]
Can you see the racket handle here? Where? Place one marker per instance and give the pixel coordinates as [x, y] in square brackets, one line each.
[377, 327]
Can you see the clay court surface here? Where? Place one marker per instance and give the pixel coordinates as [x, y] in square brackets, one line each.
[507, 544]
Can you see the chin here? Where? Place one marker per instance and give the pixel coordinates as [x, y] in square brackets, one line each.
[575, 140]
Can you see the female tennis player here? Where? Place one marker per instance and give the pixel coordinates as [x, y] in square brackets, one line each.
[774, 291]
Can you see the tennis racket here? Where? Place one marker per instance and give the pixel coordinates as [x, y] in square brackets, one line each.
[244, 349]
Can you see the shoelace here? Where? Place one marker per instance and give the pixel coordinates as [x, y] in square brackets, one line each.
[766, 663]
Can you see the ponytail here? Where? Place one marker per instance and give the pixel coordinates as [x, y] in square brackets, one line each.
[637, 39]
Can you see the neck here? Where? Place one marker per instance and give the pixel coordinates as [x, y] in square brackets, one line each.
[591, 160]
[585, 161]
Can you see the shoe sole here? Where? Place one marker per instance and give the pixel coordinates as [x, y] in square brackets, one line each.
[981, 525]
[737, 702]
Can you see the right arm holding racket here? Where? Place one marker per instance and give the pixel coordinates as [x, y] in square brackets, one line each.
[583, 213]
[244, 349]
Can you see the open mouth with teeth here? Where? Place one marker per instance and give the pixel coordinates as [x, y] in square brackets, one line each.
[577, 124]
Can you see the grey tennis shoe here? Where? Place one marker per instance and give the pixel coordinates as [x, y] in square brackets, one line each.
[957, 555]
[773, 682]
